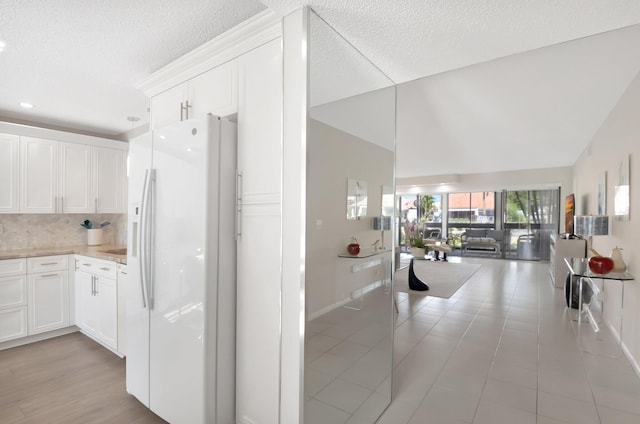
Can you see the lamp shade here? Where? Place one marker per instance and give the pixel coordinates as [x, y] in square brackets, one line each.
[591, 225]
[381, 223]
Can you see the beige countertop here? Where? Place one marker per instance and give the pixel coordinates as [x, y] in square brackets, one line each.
[93, 251]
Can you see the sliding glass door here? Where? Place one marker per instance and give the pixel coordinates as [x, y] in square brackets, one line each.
[530, 216]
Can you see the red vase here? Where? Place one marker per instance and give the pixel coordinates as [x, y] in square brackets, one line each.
[600, 264]
[353, 249]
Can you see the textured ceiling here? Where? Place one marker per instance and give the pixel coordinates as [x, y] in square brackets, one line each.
[78, 60]
[410, 39]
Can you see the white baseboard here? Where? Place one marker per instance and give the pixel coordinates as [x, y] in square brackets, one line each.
[354, 295]
[38, 337]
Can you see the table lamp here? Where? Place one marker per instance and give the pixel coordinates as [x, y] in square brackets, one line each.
[591, 225]
[382, 224]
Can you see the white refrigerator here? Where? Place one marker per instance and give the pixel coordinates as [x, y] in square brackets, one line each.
[181, 257]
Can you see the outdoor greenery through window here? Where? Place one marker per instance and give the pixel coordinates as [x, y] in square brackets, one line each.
[530, 218]
[423, 213]
[526, 217]
[469, 210]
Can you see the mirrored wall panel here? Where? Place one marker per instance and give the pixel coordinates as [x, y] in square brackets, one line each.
[349, 239]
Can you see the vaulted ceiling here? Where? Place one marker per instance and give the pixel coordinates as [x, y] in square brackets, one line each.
[540, 76]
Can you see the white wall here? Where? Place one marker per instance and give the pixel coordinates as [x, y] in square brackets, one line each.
[618, 137]
[334, 156]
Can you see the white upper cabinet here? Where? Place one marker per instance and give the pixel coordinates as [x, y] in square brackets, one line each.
[39, 175]
[213, 91]
[92, 179]
[110, 176]
[60, 172]
[167, 107]
[260, 123]
[76, 191]
[9, 173]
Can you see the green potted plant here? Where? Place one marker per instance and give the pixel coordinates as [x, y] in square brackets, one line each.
[417, 247]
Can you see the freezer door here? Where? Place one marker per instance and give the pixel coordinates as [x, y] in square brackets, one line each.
[137, 316]
[182, 157]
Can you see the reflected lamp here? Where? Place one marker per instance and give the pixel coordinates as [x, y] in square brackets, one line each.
[589, 226]
[382, 224]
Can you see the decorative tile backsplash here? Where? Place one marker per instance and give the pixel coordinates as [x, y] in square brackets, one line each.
[38, 231]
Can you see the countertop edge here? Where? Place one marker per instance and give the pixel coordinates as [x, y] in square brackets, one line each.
[92, 251]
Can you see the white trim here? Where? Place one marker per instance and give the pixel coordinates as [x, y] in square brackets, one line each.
[37, 337]
[69, 137]
[625, 350]
[356, 294]
[254, 32]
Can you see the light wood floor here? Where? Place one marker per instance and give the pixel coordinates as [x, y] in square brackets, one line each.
[69, 379]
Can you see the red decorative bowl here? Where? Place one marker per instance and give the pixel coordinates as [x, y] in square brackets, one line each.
[600, 264]
[354, 249]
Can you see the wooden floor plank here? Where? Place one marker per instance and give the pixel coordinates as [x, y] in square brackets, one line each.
[68, 379]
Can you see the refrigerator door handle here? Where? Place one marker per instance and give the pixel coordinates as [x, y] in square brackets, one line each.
[149, 234]
[142, 260]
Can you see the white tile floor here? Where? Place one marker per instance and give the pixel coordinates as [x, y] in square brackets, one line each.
[503, 349]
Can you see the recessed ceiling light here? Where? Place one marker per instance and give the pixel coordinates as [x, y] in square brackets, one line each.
[26, 105]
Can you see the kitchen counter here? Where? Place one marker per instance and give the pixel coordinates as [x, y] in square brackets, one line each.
[93, 251]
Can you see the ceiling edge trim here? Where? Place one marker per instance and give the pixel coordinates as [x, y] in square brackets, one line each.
[254, 32]
[59, 135]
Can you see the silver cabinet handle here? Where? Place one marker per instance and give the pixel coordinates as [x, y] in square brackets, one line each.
[77, 264]
[50, 275]
[95, 205]
[238, 204]
[61, 204]
[86, 264]
[49, 263]
[105, 268]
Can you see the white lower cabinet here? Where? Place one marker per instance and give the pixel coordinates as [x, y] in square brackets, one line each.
[97, 300]
[13, 323]
[48, 301]
[34, 296]
[13, 306]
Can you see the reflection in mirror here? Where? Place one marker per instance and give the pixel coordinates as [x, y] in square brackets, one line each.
[349, 304]
[356, 199]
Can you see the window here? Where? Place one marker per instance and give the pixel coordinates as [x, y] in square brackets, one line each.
[423, 211]
[529, 218]
[469, 210]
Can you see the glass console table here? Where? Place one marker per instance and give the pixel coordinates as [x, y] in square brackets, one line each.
[579, 267]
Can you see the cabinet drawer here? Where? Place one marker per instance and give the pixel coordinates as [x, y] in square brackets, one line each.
[13, 323]
[47, 263]
[13, 267]
[97, 267]
[13, 291]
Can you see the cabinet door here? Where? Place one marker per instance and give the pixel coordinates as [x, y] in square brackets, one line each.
[9, 172]
[13, 291]
[48, 307]
[258, 260]
[13, 323]
[38, 175]
[165, 107]
[260, 123]
[86, 313]
[107, 296]
[110, 169]
[215, 91]
[75, 188]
